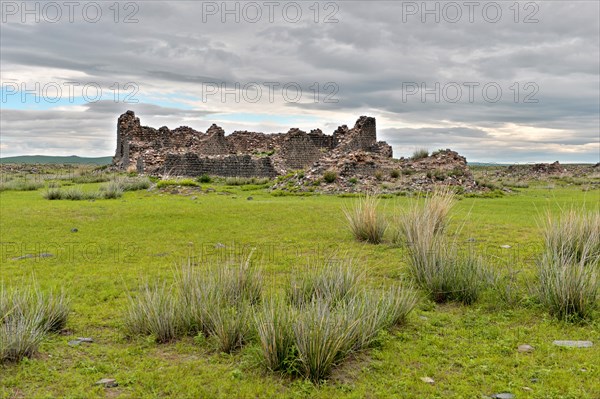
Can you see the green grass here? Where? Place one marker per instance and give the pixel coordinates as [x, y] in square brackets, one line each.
[469, 351]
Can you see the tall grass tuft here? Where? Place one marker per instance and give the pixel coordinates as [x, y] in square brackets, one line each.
[26, 316]
[435, 262]
[323, 338]
[274, 326]
[420, 154]
[218, 301]
[237, 283]
[21, 185]
[112, 190]
[53, 193]
[20, 335]
[155, 311]
[364, 221]
[231, 325]
[568, 268]
[334, 282]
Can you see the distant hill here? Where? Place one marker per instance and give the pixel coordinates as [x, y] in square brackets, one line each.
[46, 159]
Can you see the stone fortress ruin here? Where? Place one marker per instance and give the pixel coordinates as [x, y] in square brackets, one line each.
[186, 152]
[354, 155]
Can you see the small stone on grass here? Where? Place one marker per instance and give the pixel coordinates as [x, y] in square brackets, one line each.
[525, 348]
[107, 382]
[574, 344]
[427, 380]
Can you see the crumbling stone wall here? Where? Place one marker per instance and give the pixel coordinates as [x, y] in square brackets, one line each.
[187, 152]
[190, 164]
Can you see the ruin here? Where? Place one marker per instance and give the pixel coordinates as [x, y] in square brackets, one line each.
[186, 152]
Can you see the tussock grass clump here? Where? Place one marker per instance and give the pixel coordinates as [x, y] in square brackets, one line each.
[231, 325]
[21, 185]
[333, 282]
[112, 190]
[330, 176]
[20, 336]
[569, 285]
[421, 223]
[364, 221]
[445, 274]
[215, 301]
[133, 183]
[91, 177]
[53, 193]
[155, 311]
[235, 284]
[323, 338]
[73, 194]
[274, 327]
[420, 154]
[434, 261]
[324, 318]
[27, 315]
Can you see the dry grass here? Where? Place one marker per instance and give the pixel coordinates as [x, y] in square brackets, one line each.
[365, 221]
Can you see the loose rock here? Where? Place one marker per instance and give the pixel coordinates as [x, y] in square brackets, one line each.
[427, 380]
[574, 344]
[107, 382]
[503, 395]
[525, 348]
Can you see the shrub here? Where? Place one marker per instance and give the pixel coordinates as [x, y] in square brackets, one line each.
[364, 221]
[394, 174]
[568, 268]
[379, 175]
[274, 323]
[353, 180]
[204, 179]
[330, 176]
[155, 311]
[420, 154]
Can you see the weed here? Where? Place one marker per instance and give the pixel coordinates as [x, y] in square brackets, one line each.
[330, 176]
[420, 154]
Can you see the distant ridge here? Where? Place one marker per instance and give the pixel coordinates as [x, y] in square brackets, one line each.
[47, 159]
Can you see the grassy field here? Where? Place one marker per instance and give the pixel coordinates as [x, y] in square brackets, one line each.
[468, 351]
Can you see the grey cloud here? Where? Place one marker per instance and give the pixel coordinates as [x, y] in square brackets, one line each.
[369, 54]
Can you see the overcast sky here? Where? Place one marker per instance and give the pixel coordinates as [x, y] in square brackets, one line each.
[496, 81]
